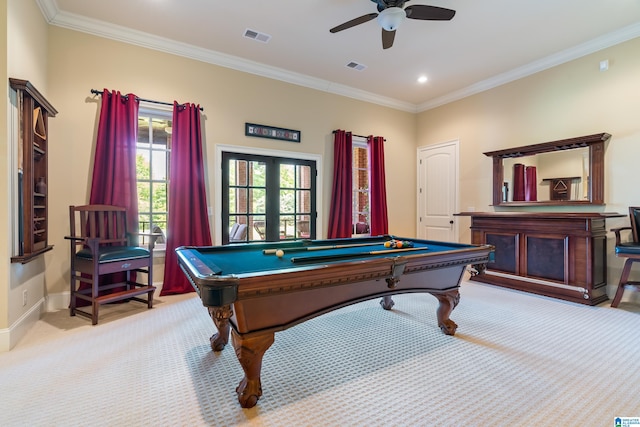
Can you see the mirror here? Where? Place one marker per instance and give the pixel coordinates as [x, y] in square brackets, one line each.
[559, 175]
[563, 172]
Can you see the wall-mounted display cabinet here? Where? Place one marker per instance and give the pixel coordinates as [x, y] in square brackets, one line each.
[33, 112]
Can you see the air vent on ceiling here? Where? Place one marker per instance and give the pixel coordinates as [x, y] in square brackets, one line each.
[354, 65]
[255, 35]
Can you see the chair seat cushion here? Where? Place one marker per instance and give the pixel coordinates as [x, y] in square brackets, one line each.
[628, 249]
[115, 253]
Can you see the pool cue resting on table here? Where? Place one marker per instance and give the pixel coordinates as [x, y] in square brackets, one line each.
[337, 257]
[317, 248]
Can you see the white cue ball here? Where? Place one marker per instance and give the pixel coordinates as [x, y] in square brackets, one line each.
[279, 253]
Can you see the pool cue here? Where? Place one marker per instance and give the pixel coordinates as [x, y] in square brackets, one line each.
[318, 248]
[336, 257]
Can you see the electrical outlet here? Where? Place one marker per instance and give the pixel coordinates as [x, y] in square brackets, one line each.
[24, 298]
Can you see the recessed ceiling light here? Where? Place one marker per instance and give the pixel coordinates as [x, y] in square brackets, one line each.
[422, 79]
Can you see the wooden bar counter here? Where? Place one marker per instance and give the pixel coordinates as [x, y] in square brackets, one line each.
[557, 254]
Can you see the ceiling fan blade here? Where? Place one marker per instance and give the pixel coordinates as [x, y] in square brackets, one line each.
[429, 13]
[387, 38]
[354, 22]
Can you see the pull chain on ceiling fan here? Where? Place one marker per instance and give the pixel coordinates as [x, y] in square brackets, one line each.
[391, 14]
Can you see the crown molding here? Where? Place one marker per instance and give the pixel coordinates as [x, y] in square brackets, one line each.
[49, 9]
[134, 37]
[587, 48]
[52, 14]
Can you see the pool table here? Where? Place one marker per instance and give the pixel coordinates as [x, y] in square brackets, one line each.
[254, 293]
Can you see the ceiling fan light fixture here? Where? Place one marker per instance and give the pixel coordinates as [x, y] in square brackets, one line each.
[391, 17]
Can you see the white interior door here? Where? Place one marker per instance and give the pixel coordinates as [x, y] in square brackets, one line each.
[438, 192]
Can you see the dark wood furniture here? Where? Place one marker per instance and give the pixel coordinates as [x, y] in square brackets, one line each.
[560, 188]
[595, 185]
[254, 294]
[629, 250]
[561, 255]
[34, 112]
[104, 256]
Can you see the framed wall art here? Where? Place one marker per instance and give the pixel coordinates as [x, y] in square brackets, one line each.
[262, 131]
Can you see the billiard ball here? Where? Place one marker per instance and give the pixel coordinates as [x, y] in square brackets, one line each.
[279, 253]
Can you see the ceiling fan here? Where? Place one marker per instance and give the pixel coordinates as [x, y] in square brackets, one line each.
[391, 14]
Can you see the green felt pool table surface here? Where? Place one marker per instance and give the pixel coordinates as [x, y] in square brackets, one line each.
[244, 259]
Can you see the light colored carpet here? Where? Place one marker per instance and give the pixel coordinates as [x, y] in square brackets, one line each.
[517, 359]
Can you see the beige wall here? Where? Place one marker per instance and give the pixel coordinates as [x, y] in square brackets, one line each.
[570, 100]
[5, 245]
[26, 54]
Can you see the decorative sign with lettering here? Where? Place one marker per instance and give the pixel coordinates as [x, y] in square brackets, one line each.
[262, 131]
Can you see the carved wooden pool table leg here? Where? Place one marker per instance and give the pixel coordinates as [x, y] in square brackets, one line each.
[448, 301]
[250, 352]
[220, 317]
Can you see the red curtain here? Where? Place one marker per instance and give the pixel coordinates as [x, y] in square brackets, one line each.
[188, 222]
[114, 168]
[530, 184]
[518, 182]
[377, 187]
[340, 211]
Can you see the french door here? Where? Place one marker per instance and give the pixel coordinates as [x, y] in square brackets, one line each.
[270, 198]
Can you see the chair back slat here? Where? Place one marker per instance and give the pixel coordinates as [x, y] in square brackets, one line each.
[98, 223]
[109, 223]
[634, 218]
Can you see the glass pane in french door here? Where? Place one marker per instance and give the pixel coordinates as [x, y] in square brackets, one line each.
[257, 230]
[258, 174]
[237, 200]
[303, 224]
[257, 200]
[303, 201]
[303, 176]
[295, 201]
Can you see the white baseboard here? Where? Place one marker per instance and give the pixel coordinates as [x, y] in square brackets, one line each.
[10, 336]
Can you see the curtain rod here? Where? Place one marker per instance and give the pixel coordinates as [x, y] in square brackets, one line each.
[360, 136]
[99, 92]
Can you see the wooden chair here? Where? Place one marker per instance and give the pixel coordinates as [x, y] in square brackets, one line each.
[304, 231]
[259, 227]
[101, 245]
[629, 250]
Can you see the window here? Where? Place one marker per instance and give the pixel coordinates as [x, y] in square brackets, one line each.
[267, 198]
[361, 194]
[153, 149]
